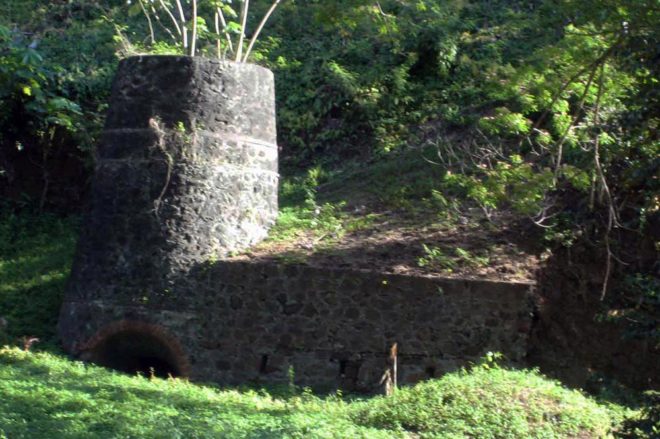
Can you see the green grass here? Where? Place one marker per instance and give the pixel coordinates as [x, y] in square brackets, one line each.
[315, 203]
[35, 259]
[490, 403]
[46, 396]
[435, 257]
[407, 179]
[43, 395]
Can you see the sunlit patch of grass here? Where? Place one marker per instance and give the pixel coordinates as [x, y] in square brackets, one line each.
[315, 203]
[44, 395]
[491, 402]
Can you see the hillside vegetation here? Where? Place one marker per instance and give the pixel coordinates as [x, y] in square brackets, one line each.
[47, 395]
[536, 113]
[475, 138]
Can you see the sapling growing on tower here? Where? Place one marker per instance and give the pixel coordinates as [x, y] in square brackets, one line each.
[178, 18]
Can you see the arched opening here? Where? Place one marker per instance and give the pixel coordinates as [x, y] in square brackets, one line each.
[137, 348]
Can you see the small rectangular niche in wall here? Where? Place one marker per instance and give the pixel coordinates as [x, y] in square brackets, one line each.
[342, 368]
[263, 365]
[348, 373]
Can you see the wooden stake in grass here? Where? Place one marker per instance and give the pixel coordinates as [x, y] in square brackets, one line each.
[28, 342]
[389, 380]
[394, 352]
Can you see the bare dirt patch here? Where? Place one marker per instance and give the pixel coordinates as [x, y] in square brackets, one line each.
[467, 246]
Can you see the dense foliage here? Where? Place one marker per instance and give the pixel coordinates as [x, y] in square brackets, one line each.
[56, 64]
[546, 107]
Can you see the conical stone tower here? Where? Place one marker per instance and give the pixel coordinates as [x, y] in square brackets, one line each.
[186, 173]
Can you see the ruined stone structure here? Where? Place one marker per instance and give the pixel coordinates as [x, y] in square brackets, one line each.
[187, 173]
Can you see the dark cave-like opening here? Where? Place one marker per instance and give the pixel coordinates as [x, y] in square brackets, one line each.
[136, 352]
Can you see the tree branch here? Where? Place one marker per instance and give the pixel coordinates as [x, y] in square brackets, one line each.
[151, 28]
[259, 28]
[244, 12]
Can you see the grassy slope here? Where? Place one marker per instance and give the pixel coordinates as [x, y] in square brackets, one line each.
[35, 257]
[43, 395]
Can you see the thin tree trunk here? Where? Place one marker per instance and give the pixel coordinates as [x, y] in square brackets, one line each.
[169, 13]
[184, 29]
[224, 26]
[244, 12]
[194, 29]
[151, 27]
[259, 28]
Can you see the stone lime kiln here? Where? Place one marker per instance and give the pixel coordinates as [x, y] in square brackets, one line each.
[186, 174]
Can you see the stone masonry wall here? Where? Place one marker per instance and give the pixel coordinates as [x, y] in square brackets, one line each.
[240, 322]
[187, 173]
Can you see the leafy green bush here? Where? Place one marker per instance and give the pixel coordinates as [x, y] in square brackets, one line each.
[54, 83]
[488, 402]
[302, 212]
[636, 304]
[34, 112]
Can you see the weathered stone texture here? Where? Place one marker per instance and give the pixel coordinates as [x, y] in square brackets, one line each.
[207, 94]
[187, 172]
[244, 322]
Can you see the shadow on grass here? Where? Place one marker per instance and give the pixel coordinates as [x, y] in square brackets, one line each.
[35, 258]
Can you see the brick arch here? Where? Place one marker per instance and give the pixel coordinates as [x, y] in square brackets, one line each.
[125, 344]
